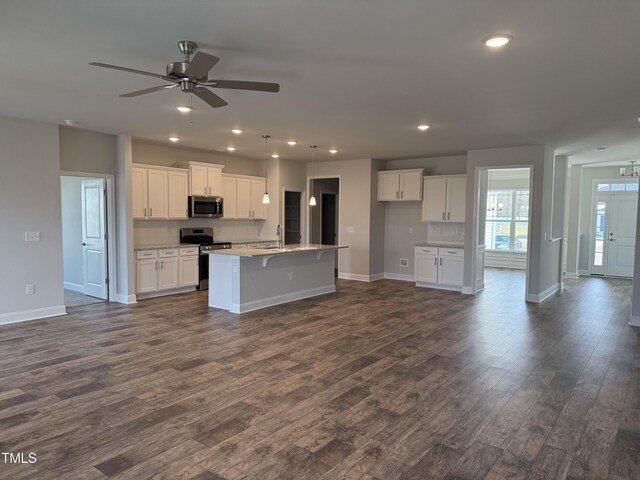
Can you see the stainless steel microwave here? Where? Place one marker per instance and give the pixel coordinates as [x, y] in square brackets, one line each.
[205, 207]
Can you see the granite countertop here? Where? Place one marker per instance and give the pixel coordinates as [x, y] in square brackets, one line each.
[156, 246]
[251, 240]
[439, 245]
[263, 252]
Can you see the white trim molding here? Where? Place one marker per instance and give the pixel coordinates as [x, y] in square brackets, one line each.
[35, 314]
[126, 299]
[359, 277]
[399, 276]
[539, 297]
[634, 320]
[571, 275]
[277, 300]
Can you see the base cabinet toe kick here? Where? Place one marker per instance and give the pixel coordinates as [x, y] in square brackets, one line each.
[243, 280]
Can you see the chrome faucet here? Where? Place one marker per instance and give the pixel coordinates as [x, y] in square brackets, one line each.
[279, 234]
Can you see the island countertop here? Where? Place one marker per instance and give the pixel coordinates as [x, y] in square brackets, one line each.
[268, 251]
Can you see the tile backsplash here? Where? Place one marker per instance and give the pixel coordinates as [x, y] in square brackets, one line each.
[150, 232]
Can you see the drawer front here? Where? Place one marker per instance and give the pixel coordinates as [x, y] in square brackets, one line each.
[189, 251]
[168, 252]
[451, 252]
[142, 254]
[426, 250]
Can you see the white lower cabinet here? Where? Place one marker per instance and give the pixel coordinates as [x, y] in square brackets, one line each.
[166, 269]
[439, 267]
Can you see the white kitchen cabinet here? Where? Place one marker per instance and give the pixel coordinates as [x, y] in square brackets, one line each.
[444, 199]
[178, 191]
[439, 267]
[243, 197]
[166, 270]
[158, 193]
[229, 196]
[205, 179]
[189, 271]
[400, 185]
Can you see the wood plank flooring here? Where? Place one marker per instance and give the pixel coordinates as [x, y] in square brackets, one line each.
[377, 381]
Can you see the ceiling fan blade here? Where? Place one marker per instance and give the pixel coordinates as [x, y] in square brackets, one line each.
[147, 90]
[131, 70]
[242, 85]
[200, 65]
[211, 98]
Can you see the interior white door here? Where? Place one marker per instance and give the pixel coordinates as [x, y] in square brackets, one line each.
[621, 237]
[94, 250]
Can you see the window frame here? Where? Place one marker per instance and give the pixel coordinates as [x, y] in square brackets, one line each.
[513, 220]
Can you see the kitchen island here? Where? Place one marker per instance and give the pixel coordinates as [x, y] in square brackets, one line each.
[246, 279]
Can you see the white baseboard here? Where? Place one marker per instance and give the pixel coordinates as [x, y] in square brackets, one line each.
[539, 297]
[467, 290]
[360, 278]
[439, 286]
[399, 276]
[163, 293]
[634, 320]
[126, 299]
[572, 275]
[34, 314]
[277, 300]
[583, 272]
[74, 287]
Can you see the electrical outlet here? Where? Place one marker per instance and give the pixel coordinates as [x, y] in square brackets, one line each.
[234, 268]
[31, 236]
[290, 275]
[404, 262]
[349, 229]
[30, 289]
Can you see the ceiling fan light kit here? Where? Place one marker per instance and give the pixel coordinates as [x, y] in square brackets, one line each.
[192, 76]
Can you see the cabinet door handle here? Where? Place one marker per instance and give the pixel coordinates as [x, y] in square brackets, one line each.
[145, 212]
[156, 264]
[443, 215]
[440, 261]
[435, 261]
[161, 264]
[448, 215]
[401, 193]
[151, 212]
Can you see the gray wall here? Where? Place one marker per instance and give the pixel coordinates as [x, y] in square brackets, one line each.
[355, 205]
[178, 156]
[30, 201]
[402, 216]
[87, 151]
[70, 190]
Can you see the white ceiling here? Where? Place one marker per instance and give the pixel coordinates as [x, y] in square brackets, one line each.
[357, 75]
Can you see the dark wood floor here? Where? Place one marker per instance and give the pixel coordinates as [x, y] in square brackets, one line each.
[377, 381]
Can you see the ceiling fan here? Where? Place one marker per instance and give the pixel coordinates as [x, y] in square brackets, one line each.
[191, 75]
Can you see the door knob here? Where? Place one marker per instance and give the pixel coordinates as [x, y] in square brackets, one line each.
[84, 244]
[612, 239]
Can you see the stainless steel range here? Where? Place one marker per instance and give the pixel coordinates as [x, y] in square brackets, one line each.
[204, 238]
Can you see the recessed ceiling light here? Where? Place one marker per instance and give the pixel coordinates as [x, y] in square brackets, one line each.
[601, 148]
[275, 155]
[71, 122]
[422, 128]
[174, 139]
[231, 149]
[497, 40]
[237, 131]
[184, 109]
[333, 150]
[292, 142]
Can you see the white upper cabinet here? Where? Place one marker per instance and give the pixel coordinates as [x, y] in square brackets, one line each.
[178, 192]
[400, 185]
[158, 193]
[242, 197]
[444, 199]
[205, 179]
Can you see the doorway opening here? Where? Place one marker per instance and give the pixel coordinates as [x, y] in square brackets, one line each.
[613, 227]
[87, 251]
[324, 218]
[292, 217]
[503, 227]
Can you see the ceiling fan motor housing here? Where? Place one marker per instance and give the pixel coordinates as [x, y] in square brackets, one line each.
[177, 70]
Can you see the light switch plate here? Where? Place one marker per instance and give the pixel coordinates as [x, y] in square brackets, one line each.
[31, 236]
[349, 229]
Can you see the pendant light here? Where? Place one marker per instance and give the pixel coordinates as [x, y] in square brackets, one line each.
[265, 197]
[312, 200]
